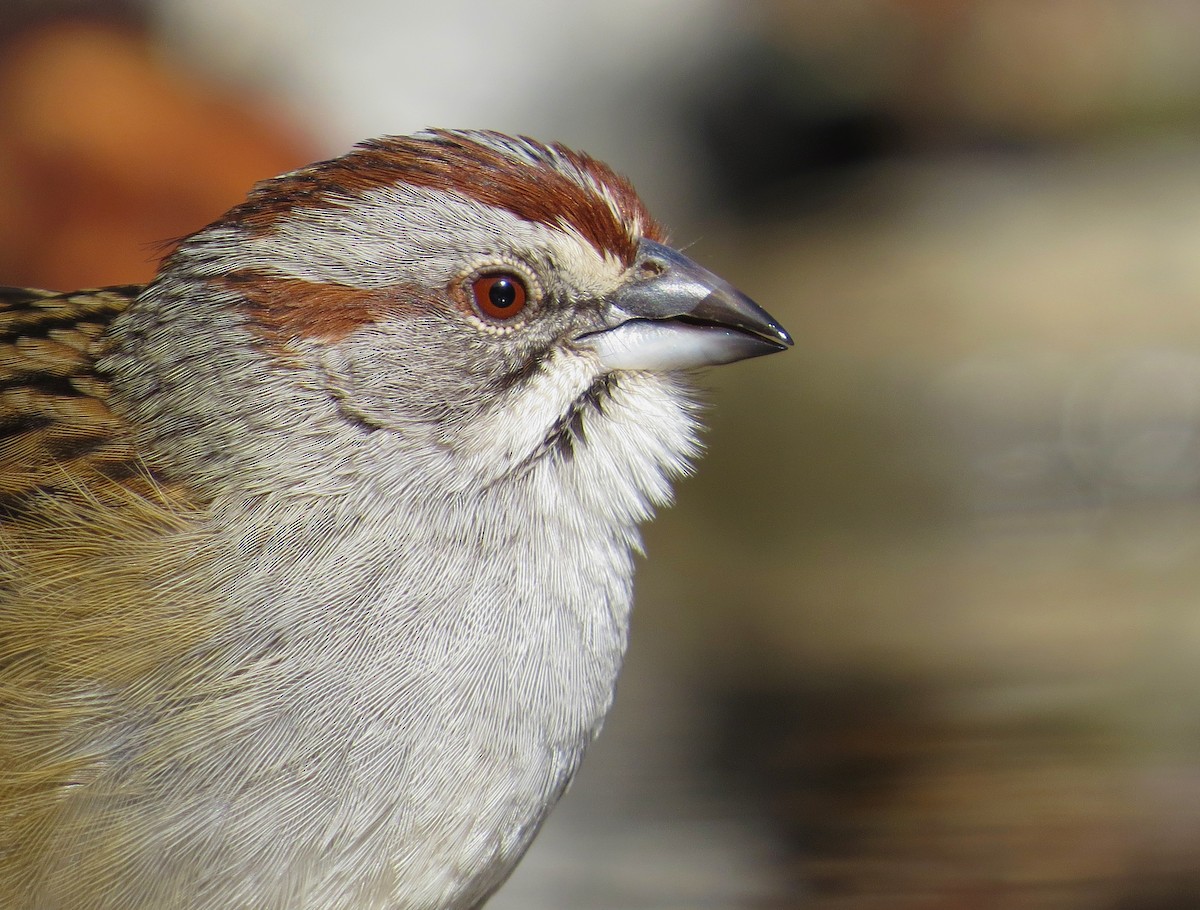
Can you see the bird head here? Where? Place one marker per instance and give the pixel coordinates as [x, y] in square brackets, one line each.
[480, 295]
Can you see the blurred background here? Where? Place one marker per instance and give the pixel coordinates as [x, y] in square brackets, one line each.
[924, 631]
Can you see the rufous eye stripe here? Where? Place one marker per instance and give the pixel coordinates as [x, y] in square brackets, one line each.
[283, 308]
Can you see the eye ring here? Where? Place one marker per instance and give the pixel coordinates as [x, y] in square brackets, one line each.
[499, 295]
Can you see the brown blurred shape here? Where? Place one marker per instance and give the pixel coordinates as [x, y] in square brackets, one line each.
[109, 149]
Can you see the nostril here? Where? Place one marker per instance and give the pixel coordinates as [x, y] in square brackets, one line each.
[651, 268]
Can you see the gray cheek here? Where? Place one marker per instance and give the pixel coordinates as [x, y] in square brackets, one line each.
[411, 381]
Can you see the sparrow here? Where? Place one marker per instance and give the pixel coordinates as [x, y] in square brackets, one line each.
[316, 551]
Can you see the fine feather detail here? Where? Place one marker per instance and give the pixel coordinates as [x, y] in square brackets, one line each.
[568, 430]
[57, 431]
[83, 619]
[89, 535]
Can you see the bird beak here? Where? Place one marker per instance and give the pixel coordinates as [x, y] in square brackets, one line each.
[674, 315]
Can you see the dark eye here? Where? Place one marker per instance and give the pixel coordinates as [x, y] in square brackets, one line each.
[500, 295]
